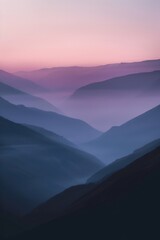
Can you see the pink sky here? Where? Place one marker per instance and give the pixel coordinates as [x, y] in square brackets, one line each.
[47, 33]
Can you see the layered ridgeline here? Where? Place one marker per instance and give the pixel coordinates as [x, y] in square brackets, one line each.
[127, 201]
[20, 83]
[73, 129]
[75, 77]
[115, 101]
[34, 168]
[19, 97]
[123, 140]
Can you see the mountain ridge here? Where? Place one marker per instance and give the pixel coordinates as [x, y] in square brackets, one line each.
[73, 129]
[17, 96]
[88, 74]
[135, 133]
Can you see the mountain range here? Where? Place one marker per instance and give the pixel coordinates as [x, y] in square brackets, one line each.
[60, 177]
[117, 165]
[115, 101]
[142, 83]
[75, 77]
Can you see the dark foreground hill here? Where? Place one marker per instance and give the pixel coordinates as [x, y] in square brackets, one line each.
[117, 100]
[125, 206]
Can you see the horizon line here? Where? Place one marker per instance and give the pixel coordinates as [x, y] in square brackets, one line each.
[80, 66]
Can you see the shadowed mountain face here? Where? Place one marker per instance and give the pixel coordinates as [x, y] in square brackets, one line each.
[73, 129]
[128, 201]
[115, 101]
[33, 168]
[16, 96]
[60, 204]
[123, 140]
[20, 83]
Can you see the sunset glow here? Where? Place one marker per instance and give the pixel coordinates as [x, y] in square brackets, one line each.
[35, 33]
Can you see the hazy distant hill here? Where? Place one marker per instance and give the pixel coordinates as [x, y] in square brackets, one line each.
[123, 140]
[140, 83]
[18, 97]
[100, 112]
[117, 100]
[74, 77]
[20, 82]
[122, 162]
[73, 129]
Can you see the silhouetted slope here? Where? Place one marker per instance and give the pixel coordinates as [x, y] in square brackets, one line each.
[122, 162]
[33, 168]
[126, 206]
[73, 129]
[16, 96]
[123, 140]
[115, 101]
[51, 135]
[56, 206]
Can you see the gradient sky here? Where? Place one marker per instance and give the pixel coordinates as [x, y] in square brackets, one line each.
[47, 33]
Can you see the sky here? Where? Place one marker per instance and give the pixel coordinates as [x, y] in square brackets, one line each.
[48, 33]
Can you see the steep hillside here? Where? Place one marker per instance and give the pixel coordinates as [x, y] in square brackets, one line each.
[34, 168]
[123, 140]
[16, 96]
